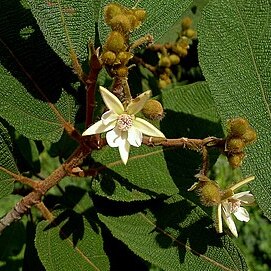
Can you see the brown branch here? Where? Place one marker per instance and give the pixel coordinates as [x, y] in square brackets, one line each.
[95, 67]
[192, 144]
[34, 197]
[20, 178]
[140, 61]
[45, 212]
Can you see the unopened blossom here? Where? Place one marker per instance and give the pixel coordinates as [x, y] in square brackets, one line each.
[232, 206]
[122, 127]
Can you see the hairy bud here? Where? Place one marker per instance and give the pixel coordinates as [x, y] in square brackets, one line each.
[153, 110]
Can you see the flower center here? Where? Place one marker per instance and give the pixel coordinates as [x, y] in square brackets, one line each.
[124, 122]
[234, 205]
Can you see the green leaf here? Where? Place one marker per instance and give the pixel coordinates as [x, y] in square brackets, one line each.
[72, 241]
[7, 162]
[176, 235]
[189, 112]
[160, 17]
[67, 25]
[32, 117]
[234, 55]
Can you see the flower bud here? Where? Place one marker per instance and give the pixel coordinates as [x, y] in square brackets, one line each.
[164, 61]
[238, 126]
[174, 59]
[124, 57]
[111, 11]
[140, 14]
[121, 23]
[186, 22]
[122, 71]
[235, 160]
[190, 33]
[235, 144]
[115, 42]
[153, 110]
[108, 57]
[210, 194]
[249, 136]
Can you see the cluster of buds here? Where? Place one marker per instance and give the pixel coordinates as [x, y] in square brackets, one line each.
[170, 54]
[240, 134]
[228, 202]
[122, 21]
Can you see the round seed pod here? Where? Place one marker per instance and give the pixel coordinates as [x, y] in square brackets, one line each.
[124, 57]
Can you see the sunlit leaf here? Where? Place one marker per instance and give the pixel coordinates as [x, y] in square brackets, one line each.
[31, 117]
[235, 58]
[7, 162]
[67, 25]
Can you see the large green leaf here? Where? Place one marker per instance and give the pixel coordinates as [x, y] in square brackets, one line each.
[235, 58]
[32, 117]
[67, 25]
[161, 16]
[72, 241]
[7, 162]
[174, 236]
[190, 112]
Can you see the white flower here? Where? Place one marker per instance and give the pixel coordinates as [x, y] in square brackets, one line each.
[122, 127]
[233, 205]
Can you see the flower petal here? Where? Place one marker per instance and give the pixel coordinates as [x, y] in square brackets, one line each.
[137, 104]
[114, 137]
[245, 197]
[242, 214]
[230, 223]
[146, 128]
[98, 128]
[134, 137]
[111, 101]
[124, 148]
[219, 219]
[108, 117]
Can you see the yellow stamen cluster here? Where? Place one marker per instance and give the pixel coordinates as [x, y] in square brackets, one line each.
[123, 21]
